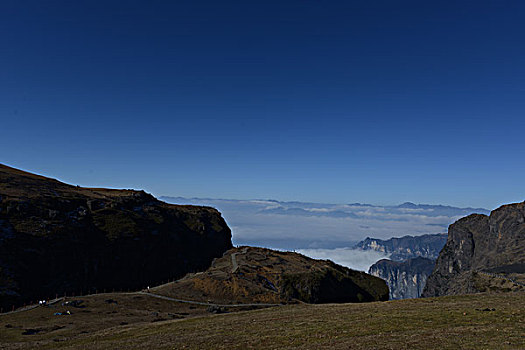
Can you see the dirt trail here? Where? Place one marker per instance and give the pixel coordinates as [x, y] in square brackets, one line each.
[201, 302]
[31, 307]
[235, 266]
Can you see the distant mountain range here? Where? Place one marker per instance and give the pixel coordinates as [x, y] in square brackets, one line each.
[297, 225]
[353, 210]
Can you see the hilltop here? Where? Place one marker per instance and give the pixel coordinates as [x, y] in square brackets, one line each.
[259, 275]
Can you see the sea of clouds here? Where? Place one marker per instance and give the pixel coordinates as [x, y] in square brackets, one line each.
[354, 258]
[327, 231]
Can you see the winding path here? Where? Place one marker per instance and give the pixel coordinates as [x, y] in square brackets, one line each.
[158, 296]
[201, 302]
[31, 307]
[235, 266]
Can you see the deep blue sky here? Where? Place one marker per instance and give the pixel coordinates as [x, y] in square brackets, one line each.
[330, 101]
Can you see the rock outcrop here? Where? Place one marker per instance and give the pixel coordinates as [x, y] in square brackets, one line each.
[57, 238]
[410, 262]
[259, 275]
[405, 279]
[407, 247]
[479, 248]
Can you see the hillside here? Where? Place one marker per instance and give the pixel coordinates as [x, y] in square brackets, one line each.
[134, 321]
[482, 253]
[258, 275]
[57, 238]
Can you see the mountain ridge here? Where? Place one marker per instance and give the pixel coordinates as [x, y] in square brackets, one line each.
[405, 205]
[406, 247]
[57, 238]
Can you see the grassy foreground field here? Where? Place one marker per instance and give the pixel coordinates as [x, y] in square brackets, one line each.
[482, 321]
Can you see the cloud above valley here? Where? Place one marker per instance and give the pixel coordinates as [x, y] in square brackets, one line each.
[300, 225]
[353, 258]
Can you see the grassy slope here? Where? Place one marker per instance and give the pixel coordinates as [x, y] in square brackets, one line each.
[268, 276]
[435, 323]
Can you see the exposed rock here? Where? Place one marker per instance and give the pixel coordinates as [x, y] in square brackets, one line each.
[405, 279]
[57, 238]
[407, 247]
[410, 262]
[478, 245]
[259, 275]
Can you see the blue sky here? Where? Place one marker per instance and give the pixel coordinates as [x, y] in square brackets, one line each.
[330, 101]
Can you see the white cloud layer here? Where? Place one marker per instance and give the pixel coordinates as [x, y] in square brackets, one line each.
[353, 258]
[298, 225]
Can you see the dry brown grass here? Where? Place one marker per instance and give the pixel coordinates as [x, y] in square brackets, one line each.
[101, 312]
[262, 275]
[457, 322]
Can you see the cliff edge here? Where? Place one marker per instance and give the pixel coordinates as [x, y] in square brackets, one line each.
[482, 253]
[57, 238]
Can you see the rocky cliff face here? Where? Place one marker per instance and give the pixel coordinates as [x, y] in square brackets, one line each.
[56, 238]
[258, 275]
[407, 247]
[405, 279]
[478, 245]
[409, 265]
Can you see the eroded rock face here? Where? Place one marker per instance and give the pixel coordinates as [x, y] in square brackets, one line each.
[405, 279]
[57, 238]
[407, 247]
[478, 244]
